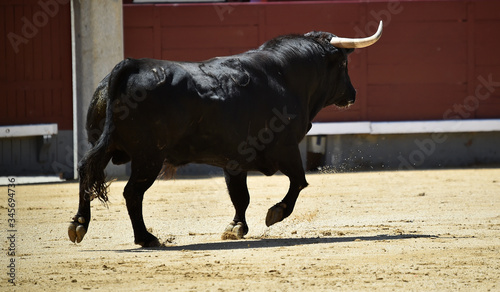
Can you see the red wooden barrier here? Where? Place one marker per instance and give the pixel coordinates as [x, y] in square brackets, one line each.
[35, 63]
[436, 59]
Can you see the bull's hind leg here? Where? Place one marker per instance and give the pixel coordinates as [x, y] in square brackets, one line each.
[238, 191]
[144, 173]
[291, 167]
[92, 183]
[78, 228]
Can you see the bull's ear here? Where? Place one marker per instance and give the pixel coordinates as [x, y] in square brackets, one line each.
[348, 51]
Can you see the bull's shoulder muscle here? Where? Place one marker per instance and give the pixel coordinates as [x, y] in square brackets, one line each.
[220, 78]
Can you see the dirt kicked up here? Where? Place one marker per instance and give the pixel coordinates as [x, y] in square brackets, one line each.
[406, 230]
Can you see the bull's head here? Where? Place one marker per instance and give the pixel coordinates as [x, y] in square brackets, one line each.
[345, 93]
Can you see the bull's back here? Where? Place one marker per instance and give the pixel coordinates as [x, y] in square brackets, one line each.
[192, 112]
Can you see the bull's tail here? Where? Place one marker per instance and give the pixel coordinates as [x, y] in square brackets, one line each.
[91, 168]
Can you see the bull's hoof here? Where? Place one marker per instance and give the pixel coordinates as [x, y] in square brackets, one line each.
[150, 241]
[275, 214]
[235, 231]
[76, 230]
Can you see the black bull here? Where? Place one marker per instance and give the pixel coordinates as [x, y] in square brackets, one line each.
[242, 113]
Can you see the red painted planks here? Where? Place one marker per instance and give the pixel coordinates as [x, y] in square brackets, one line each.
[486, 32]
[4, 42]
[345, 30]
[17, 57]
[57, 103]
[417, 73]
[315, 12]
[19, 105]
[138, 16]
[430, 53]
[138, 42]
[31, 110]
[414, 95]
[416, 11]
[66, 122]
[486, 55]
[209, 37]
[37, 68]
[57, 30]
[486, 10]
[10, 106]
[439, 32]
[201, 15]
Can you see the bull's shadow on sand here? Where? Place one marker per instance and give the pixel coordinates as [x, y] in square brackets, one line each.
[274, 242]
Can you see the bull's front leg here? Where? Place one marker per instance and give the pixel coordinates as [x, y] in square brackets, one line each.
[238, 191]
[290, 166]
[284, 208]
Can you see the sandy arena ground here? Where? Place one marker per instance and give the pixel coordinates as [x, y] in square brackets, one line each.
[406, 230]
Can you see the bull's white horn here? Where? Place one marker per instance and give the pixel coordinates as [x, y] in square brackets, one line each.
[353, 43]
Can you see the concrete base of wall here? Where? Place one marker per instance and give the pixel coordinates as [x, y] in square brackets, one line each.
[410, 151]
[341, 153]
[29, 156]
[21, 156]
